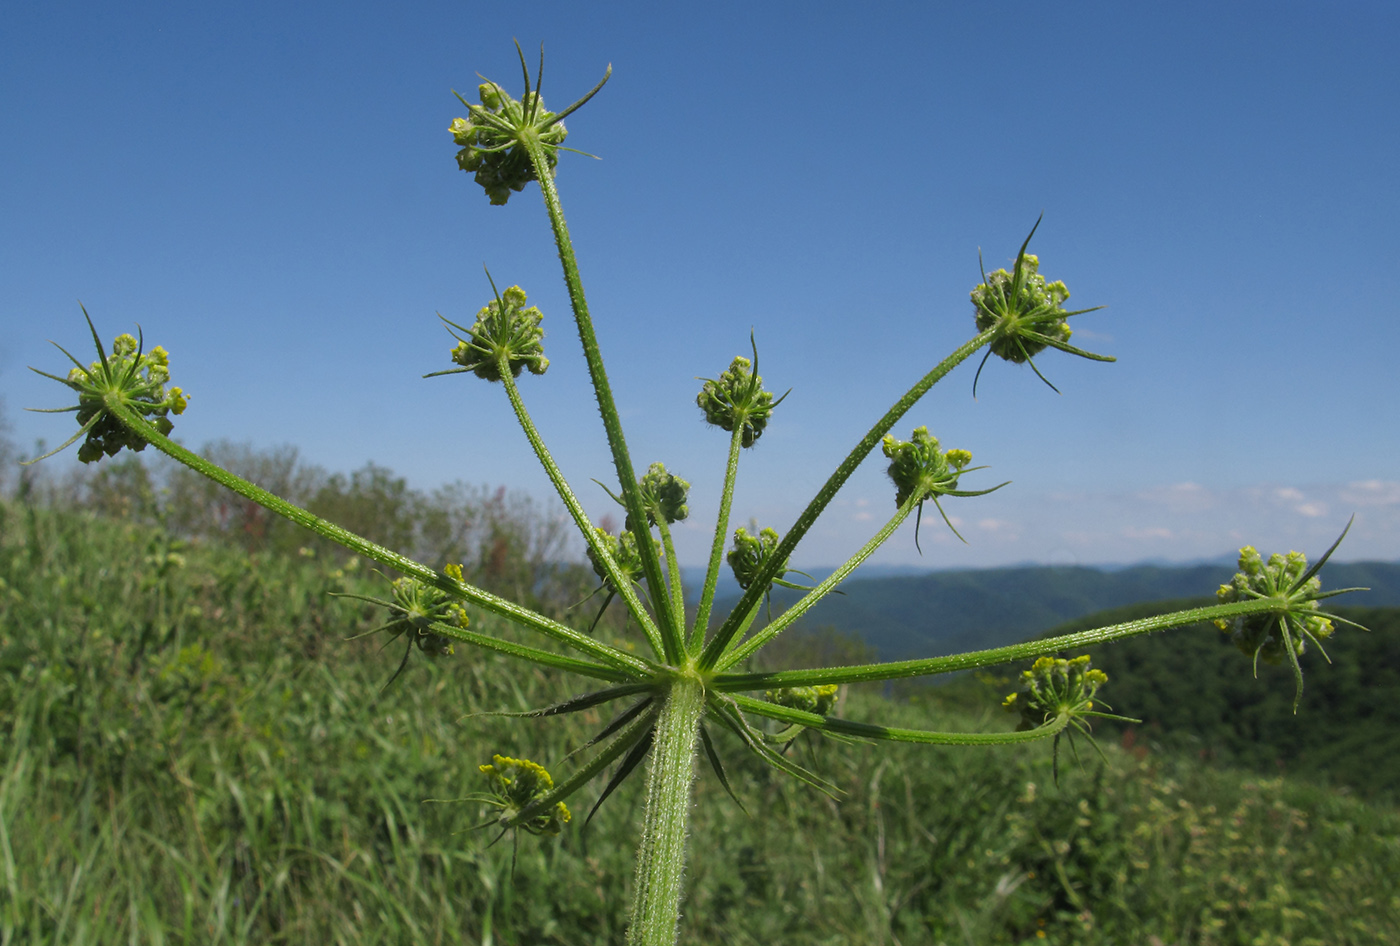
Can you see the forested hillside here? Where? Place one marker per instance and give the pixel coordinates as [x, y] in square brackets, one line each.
[951, 611]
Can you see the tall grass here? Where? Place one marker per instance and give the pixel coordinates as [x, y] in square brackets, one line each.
[192, 755]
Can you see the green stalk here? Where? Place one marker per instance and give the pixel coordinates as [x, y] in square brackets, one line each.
[273, 503]
[673, 575]
[585, 525]
[848, 727]
[656, 906]
[720, 642]
[543, 658]
[823, 589]
[900, 669]
[670, 623]
[726, 501]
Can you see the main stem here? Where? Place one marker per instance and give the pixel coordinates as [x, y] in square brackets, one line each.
[656, 907]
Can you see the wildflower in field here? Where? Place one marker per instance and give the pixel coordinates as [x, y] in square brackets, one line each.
[496, 136]
[504, 331]
[516, 784]
[736, 399]
[1025, 314]
[689, 678]
[1275, 635]
[919, 469]
[129, 377]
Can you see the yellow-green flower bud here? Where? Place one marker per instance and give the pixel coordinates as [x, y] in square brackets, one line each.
[663, 495]
[1034, 308]
[751, 553]
[1053, 688]
[137, 379]
[737, 399]
[623, 549]
[490, 140]
[820, 699]
[420, 606]
[1260, 635]
[917, 466]
[504, 329]
[1024, 314]
[515, 784]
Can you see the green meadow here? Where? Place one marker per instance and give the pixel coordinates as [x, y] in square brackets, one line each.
[194, 753]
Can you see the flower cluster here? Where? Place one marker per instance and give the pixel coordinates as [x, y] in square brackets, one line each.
[499, 135]
[737, 399]
[490, 139]
[515, 785]
[1053, 688]
[417, 606]
[751, 553]
[623, 549]
[820, 699]
[420, 606]
[504, 330]
[663, 495]
[1264, 636]
[130, 377]
[917, 465]
[1023, 301]
[1024, 314]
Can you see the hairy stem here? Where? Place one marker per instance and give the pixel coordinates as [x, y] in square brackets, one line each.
[542, 658]
[720, 643]
[670, 623]
[726, 501]
[661, 857]
[847, 727]
[673, 573]
[900, 669]
[619, 581]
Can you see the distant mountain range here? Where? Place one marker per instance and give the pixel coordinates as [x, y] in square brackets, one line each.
[932, 613]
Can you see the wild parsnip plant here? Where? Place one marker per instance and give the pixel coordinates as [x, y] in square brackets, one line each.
[688, 679]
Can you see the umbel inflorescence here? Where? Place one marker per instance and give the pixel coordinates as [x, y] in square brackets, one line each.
[682, 689]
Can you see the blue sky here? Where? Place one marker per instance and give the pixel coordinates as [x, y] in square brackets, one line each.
[270, 190]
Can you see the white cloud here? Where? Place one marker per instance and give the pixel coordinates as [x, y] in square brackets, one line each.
[1157, 532]
[1181, 497]
[1372, 493]
[1175, 522]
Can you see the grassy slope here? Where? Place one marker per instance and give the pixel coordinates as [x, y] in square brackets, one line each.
[191, 755]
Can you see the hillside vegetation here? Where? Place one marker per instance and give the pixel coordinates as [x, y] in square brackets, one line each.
[191, 753]
[1188, 688]
[950, 611]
